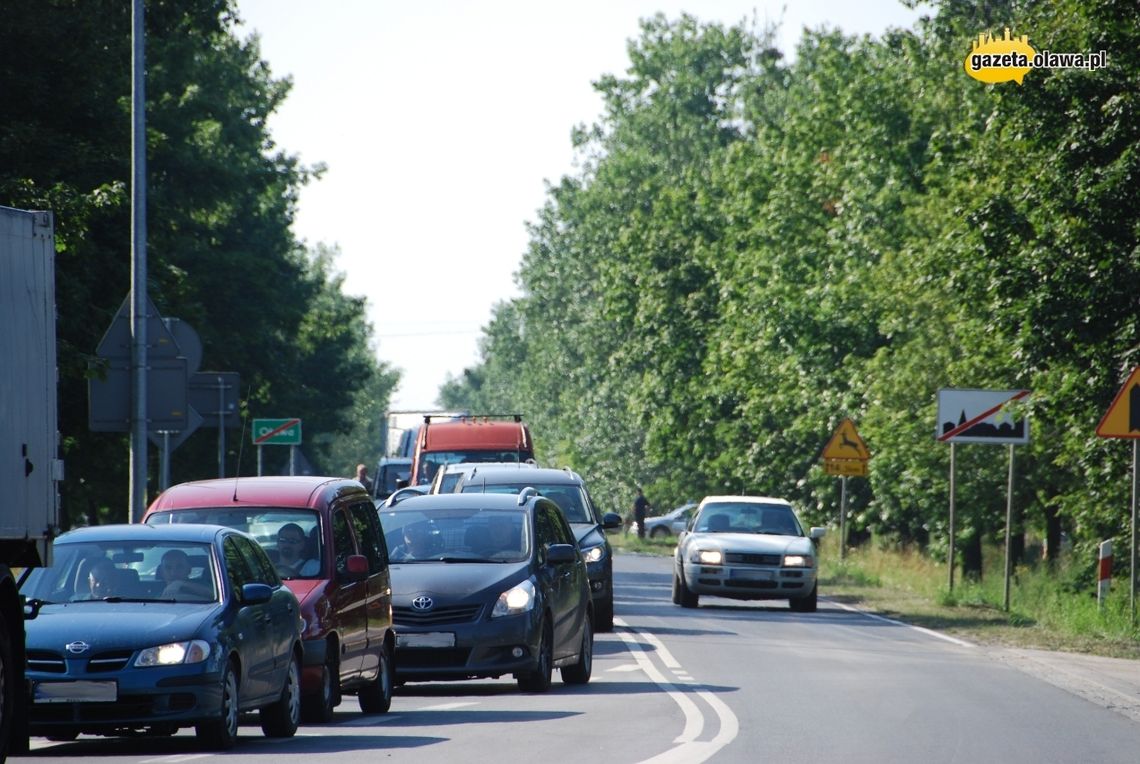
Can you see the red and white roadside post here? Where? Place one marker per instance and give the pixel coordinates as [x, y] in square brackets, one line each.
[1104, 573]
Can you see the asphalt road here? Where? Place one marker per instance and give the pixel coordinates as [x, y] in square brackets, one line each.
[727, 682]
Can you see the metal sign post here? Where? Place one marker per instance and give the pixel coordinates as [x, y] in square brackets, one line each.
[1122, 420]
[845, 455]
[980, 416]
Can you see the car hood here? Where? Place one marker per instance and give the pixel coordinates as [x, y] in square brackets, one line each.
[587, 534]
[454, 581]
[304, 587]
[755, 543]
[108, 625]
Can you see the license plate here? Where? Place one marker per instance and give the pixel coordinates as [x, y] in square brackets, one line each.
[751, 575]
[427, 639]
[75, 692]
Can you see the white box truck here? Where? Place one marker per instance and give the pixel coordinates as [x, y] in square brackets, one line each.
[30, 467]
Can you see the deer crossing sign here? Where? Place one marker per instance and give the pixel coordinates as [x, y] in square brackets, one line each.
[846, 453]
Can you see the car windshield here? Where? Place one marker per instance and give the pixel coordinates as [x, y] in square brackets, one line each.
[116, 571]
[291, 537]
[775, 519]
[568, 497]
[433, 460]
[456, 535]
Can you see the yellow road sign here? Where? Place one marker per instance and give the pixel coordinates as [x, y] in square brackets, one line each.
[1122, 420]
[846, 444]
[848, 467]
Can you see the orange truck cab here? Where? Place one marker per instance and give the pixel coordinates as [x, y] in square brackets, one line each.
[483, 438]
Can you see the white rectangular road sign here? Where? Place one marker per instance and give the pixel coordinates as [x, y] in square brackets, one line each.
[980, 416]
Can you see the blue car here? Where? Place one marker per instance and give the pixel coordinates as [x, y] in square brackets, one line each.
[149, 629]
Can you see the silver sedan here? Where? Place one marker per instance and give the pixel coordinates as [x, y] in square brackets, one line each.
[746, 548]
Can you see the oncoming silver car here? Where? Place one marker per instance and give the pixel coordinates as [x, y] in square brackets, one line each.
[746, 548]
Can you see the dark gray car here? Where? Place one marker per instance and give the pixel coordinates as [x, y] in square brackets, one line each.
[568, 490]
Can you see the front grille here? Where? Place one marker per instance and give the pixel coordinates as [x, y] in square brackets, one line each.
[431, 658]
[751, 584]
[112, 661]
[752, 559]
[436, 617]
[46, 661]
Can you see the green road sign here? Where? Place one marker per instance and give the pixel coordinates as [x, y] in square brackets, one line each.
[277, 432]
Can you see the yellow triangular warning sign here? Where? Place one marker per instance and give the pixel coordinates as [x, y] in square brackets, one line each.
[1122, 420]
[846, 443]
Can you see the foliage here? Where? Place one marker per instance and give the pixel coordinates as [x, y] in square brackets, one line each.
[756, 248]
[220, 198]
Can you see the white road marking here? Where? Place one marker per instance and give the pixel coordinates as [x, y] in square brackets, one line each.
[688, 749]
[928, 632]
[176, 758]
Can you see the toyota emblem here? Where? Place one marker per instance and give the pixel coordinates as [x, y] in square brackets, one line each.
[75, 648]
[422, 603]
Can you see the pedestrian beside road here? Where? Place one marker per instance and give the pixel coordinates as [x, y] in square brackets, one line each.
[362, 476]
[641, 508]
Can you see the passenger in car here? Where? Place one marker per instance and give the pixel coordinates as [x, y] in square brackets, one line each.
[291, 560]
[174, 570]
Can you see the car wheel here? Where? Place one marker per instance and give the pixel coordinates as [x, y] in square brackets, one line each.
[681, 594]
[376, 698]
[538, 679]
[63, 736]
[280, 718]
[318, 708]
[658, 533]
[579, 673]
[806, 604]
[221, 733]
[605, 610]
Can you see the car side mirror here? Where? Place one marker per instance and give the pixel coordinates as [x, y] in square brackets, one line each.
[356, 567]
[256, 594]
[611, 520]
[817, 533]
[557, 554]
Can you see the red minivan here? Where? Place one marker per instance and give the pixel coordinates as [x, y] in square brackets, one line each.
[324, 538]
[481, 438]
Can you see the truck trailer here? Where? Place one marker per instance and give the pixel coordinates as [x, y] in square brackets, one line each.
[30, 468]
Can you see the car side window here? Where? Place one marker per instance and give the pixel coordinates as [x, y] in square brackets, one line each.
[342, 540]
[367, 530]
[257, 561]
[237, 571]
[562, 529]
[552, 528]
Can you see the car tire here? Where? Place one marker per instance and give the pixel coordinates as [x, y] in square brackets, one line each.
[806, 604]
[605, 610]
[282, 717]
[318, 708]
[220, 734]
[658, 533]
[579, 673]
[376, 697]
[681, 594]
[538, 679]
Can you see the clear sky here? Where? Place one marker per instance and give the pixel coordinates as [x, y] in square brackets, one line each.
[441, 123]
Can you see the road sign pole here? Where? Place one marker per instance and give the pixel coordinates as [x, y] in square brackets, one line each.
[1132, 571]
[259, 447]
[842, 518]
[221, 428]
[164, 472]
[292, 460]
[950, 552]
[1009, 529]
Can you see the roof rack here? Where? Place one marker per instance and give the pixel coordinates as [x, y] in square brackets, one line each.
[526, 495]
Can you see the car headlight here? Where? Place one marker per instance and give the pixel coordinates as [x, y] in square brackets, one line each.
[798, 561]
[514, 601]
[708, 556]
[175, 653]
[594, 553]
